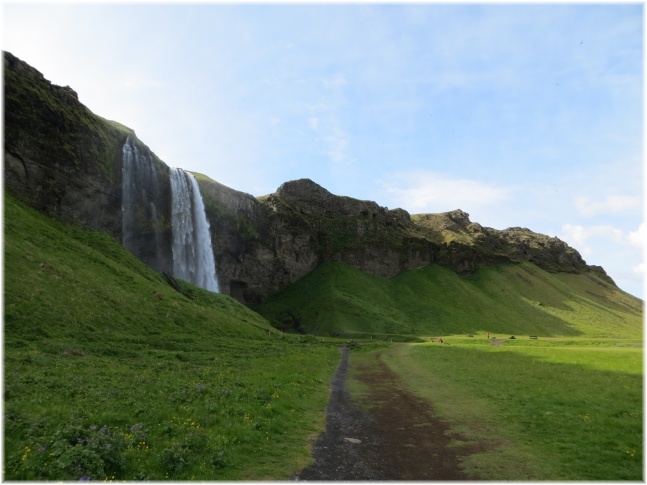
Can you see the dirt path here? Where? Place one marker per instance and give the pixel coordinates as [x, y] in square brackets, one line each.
[396, 437]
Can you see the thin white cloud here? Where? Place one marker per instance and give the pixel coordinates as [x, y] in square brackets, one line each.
[313, 122]
[614, 249]
[580, 236]
[424, 191]
[639, 237]
[324, 120]
[612, 204]
[338, 142]
[139, 82]
[334, 81]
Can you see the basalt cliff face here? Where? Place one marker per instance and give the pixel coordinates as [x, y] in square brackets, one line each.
[68, 163]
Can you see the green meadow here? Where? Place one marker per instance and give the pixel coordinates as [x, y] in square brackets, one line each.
[110, 373]
[555, 409]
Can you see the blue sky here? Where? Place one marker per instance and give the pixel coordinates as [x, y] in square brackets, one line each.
[521, 115]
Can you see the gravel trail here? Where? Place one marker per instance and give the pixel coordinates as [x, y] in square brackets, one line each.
[393, 435]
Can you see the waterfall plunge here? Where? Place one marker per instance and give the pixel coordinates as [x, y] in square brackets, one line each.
[147, 198]
[140, 223]
[193, 258]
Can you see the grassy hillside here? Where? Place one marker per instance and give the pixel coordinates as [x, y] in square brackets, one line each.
[506, 299]
[83, 286]
[111, 373]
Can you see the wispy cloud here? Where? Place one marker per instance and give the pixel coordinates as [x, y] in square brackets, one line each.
[426, 191]
[338, 142]
[608, 243]
[612, 204]
[313, 122]
[638, 237]
[578, 235]
[325, 121]
[140, 82]
[336, 80]
[581, 236]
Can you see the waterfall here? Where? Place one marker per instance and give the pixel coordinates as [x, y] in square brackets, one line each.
[127, 194]
[149, 199]
[141, 226]
[193, 258]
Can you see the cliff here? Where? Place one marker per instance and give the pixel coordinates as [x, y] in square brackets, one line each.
[67, 162]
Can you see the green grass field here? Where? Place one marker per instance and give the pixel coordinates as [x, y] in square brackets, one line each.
[242, 410]
[517, 299]
[110, 373]
[557, 409]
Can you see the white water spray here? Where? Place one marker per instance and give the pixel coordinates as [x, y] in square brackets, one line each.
[128, 193]
[139, 185]
[193, 258]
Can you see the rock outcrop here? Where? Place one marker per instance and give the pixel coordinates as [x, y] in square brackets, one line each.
[67, 162]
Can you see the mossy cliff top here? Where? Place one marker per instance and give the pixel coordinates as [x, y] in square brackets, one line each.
[449, 238]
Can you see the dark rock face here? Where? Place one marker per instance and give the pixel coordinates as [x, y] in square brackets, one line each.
[59, 157]
[310, 198]
[356, 232]
[549, 253]
[65, 161]
[257, 250]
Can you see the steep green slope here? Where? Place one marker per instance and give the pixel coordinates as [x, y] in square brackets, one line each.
[506, 299]
[71, 284]
[110, 373]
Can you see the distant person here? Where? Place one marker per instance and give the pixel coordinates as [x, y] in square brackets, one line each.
[488, 335]
[440, 340]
